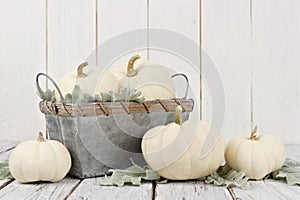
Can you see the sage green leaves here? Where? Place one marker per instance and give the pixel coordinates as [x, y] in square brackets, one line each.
[290, 172]
[80, 97]
[4, 170]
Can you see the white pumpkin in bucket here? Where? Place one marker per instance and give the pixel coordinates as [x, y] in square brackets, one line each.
[92, 80]
[174, 150]
[39, 160]
[146, 76]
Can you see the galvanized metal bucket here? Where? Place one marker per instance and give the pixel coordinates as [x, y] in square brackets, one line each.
[105, 135]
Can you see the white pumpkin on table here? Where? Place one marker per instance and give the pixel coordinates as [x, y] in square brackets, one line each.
[256, 155]
[150, 78]
[174, 150]
[91, 79]
[39, 160]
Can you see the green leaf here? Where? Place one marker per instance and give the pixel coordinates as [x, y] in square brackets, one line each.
[225, 176]
[4, 170]
[107, 97]
[47, 96]
[80, 97]
[133, 175]
[290, 172]
[125, 94]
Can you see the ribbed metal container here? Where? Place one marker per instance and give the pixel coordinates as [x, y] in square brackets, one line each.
[107, 135]
[99, 143]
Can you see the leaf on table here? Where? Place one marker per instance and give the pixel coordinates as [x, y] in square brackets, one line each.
[290, 172]
[4, 170]
[225, 176]
[133, 175]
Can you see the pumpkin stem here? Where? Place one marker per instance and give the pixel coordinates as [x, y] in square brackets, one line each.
[80, 73]
[253, 135]
[130, 70]
[178, 118]
[41, 137]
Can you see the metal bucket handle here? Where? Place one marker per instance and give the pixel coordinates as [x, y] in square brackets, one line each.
[62, 98]
[52, 81]
[187, 83]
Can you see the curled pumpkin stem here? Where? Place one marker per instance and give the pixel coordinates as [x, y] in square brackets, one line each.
[178, 117]
[80, 73]
[253, 135]
[130, 69]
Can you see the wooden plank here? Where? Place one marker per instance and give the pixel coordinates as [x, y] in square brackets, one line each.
[226, 40]
[190, 190]
[265, 190]
[90, 189]
[293, 152]
[6, 146]
[276, 30]
[5, 182]
[22, 54]
[57, 191]
[5, 155]
[114, 18]
[180, 17]
[71, 34]
[288, 192]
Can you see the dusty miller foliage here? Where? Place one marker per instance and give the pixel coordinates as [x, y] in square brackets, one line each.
[80, 97]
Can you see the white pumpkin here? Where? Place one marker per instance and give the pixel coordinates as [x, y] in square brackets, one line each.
[174, 150]
[93, 81]
[146, 76]
[39, 160]
[256, 155]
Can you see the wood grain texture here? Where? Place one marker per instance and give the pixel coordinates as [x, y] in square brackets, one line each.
[190, 190]
[90, 189]
[276, 45]
[266, 189]
[258, 190]
[5, 182]
[226, 40]
[114, 18]
[288, 192]
[293, 152]
[71, 35]
[6, 146]
[180, 17]
[22, 55]
[57, 191]
[5, 155]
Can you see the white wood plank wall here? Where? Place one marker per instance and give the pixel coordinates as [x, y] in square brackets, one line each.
[254, 45]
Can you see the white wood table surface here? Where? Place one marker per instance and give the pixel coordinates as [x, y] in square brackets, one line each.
[75, 189]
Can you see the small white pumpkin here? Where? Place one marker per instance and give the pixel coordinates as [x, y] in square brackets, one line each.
[174, 150]
[150, 78]
[93, 81]
[256, 155]
[39, 160]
